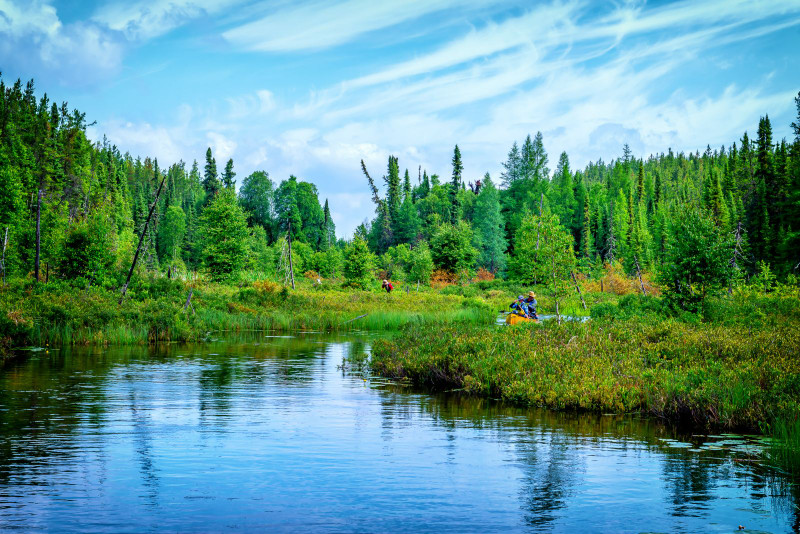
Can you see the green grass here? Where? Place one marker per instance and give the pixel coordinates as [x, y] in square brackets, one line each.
[58, 313]
[733, 375]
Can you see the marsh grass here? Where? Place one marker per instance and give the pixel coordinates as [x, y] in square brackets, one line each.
[691, 372]
[61, 314]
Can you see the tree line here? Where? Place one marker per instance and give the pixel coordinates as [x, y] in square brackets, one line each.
[629, 210]
[77, 209]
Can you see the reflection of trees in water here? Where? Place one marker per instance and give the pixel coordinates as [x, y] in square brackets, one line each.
[551, 465]
[547, 444]
[143, 445]
[688, 483]
[46, 402]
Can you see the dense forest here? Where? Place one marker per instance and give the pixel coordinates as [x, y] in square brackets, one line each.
[89, 204]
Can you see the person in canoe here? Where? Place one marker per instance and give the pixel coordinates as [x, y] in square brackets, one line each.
[520, 307]
[531, 303]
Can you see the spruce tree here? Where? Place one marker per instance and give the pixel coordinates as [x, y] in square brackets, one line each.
[587, 245]
[512, 166]
[489, 227]
[455, 185]
[228, 176]
[211, 182]
[406, 186]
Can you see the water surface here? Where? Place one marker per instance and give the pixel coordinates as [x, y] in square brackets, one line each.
[271, 434]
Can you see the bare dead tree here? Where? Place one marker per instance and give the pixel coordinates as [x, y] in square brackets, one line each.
[291, 266]
[3, 258]
[611, 242]
[38, 232]
[580, 294]
[639, 274]
[141, 239]
[737, 253]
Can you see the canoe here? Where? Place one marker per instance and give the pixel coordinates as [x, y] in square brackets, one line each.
[513, 318]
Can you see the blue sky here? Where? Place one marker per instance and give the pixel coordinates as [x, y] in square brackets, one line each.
[311, 88]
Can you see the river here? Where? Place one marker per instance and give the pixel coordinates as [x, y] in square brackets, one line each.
[262, 433]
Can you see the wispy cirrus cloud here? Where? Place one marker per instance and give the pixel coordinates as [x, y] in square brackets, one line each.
[145, 19]
[591, 76]
[320, 24]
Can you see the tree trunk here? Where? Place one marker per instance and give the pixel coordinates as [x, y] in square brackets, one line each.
[639, 274]
[539, 225]
[3, 259]
[189, 300]
[579, 289]
[38, 233]
[291, 266]
[555, 289]
[141, 240]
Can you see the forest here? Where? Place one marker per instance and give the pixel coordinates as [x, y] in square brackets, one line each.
[75, 210]
[687, 265]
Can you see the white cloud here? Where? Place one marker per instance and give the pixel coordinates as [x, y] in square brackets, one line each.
[143, 139]
[33, 37]
[18, 19]
[321, 24]
[589, 82]
[222, 147]
[145, 19]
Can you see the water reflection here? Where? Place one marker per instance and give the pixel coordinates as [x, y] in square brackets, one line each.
[269, 433]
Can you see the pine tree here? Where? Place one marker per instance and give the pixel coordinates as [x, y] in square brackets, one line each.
[455, 185]
[330, 228]
[406, 186]
[489, 227]
[211, 183]
[394, 196]
[640, 184]
[228, 176]
[512, 166]
[586, 233]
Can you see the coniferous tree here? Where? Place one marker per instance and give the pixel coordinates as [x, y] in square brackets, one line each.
[455, 185]
[406, 186]
[211, 182]
[512, 166]
[228, 176]
[489, 228]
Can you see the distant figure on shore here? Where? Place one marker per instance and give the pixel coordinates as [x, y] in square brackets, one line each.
[387, 285]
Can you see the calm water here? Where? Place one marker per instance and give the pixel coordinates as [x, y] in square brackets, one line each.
[270, 434]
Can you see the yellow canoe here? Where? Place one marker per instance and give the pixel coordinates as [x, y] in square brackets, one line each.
[513, 318]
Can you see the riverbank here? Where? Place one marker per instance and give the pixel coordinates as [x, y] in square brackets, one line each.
[155, 311]
[739, 371]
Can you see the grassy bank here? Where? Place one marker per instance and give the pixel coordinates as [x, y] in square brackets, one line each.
[58, 313]
[739, 372]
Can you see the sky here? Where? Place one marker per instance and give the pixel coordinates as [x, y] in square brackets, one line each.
[311, 88]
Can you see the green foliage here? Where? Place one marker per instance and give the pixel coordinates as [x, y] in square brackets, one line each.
[697, 260]
[489, 228]
[171, 232]
[696, 373]
[451, 247]
[358, 264]
[223, 226]
[256, 198]
[542, 252]
[420, 264]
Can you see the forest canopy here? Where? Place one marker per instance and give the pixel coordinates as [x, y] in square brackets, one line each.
[89, 203]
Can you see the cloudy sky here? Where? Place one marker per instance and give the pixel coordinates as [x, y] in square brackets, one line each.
[310, 88]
